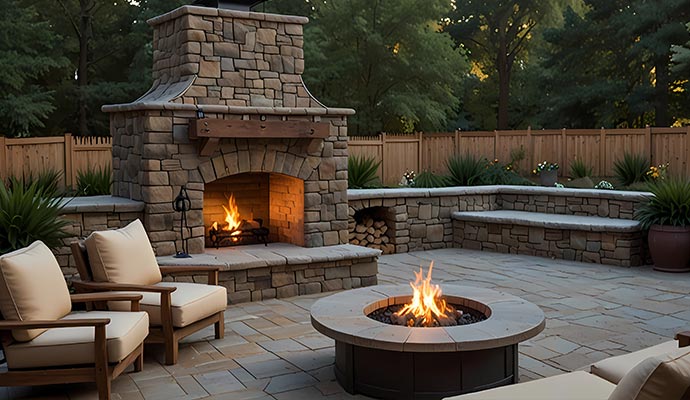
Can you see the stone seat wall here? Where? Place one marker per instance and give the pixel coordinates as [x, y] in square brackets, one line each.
[592, 239]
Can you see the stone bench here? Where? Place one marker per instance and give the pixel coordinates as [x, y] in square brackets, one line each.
[569, 237]
[258, 272]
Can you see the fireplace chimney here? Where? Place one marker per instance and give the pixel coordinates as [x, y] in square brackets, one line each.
[241, 5]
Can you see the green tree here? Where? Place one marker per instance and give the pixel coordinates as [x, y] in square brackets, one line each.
[26, 58]
[497, 34]
[611, 66]
[388, 60]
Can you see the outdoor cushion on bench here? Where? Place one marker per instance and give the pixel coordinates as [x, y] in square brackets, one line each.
[74, 346]
[614, 368]
[573, 386]
[191, 302]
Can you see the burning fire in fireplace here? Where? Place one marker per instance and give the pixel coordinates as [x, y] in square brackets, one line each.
[427, 307]
[237, 230]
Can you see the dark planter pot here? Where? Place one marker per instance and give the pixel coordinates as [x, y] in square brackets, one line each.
[670, 248]
[548, 178]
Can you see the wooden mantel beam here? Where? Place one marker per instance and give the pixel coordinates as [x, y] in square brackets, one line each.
[221, 128]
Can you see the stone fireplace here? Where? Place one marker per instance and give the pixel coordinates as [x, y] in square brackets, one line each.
[228, 114]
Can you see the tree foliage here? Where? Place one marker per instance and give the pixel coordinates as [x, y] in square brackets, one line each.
[27, 58]
[388, 60]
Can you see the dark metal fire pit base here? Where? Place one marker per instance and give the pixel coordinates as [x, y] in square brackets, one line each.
[399, 375]
[400, 362]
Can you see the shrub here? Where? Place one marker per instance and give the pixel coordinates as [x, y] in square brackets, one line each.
[580, 169]
[631, 169]
[94, 181]
[496, 173]
[361, 172]
[465, 170]
[47, 181]
[28, 214]
[669, 206]
[428, 179]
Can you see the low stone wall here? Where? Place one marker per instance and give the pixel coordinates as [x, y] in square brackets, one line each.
[89, 214]
[612, 248]
[421, 218]
[601, 203]
[252, 273]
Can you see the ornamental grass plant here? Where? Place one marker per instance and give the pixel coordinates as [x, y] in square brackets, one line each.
[631, 169]
[362, 172]
[669, 206]
[94, 181]
[465, 170]
[29, 213]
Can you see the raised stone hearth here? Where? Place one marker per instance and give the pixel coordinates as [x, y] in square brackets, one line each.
[228, 100]
[253, 273]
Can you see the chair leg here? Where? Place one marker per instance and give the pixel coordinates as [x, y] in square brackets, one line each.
[171, 349]
[101, 369]
[139, 361]
[219, 326]
[103, 384]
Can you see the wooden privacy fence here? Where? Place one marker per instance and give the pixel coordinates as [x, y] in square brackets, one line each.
[24, 157]
[598, 148]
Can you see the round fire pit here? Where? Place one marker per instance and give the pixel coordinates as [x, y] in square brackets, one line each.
[399, 362]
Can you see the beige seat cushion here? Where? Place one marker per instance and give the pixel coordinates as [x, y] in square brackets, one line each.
[664, 377]
[614, 368]
[32, 288]
[573, 386]
[75, 346]
[191, 302]
[123, 256]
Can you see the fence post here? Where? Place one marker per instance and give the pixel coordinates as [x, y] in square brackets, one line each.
[564, 150]
[420, 151]
[602, 152]
[456, 144]
[495, 144]
[384, 157]
[529, 157]
[69, 172]
[687, 149]
[3, 159]
[648, 143]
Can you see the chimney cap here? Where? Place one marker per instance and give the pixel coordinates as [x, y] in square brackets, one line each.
[242, 5]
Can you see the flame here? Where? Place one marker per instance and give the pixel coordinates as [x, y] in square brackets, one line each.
[427, 307]
[232, 215]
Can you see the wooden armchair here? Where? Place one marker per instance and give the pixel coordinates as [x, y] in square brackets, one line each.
[45, 343]
[176, 309]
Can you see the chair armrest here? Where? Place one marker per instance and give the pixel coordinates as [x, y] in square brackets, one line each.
[212, 271]
[108, 286]
[683, 338]
[63, 323]
[107, 296]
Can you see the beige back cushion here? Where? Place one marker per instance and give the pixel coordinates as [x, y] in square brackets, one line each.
[32, 288]
[662, 377]
[123, 256]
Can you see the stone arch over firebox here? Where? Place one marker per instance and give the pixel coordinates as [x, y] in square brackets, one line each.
[285, 160]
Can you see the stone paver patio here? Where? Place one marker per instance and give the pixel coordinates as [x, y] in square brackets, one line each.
[271, 351]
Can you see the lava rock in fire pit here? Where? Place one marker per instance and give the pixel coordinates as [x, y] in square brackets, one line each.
[463, 316]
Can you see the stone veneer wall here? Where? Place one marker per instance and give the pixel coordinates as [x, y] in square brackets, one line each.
[613, 248]
[423, 216]
[421, 221]
[256, 284]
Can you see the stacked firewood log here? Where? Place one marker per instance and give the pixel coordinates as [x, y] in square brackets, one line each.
[372, 233]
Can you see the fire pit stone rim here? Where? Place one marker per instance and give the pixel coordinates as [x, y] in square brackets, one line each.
[512, 320]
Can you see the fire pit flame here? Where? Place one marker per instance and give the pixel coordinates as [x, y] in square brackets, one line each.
[427, 308]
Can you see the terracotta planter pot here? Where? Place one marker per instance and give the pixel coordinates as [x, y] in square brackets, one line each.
[670, 248]
[548, 178]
